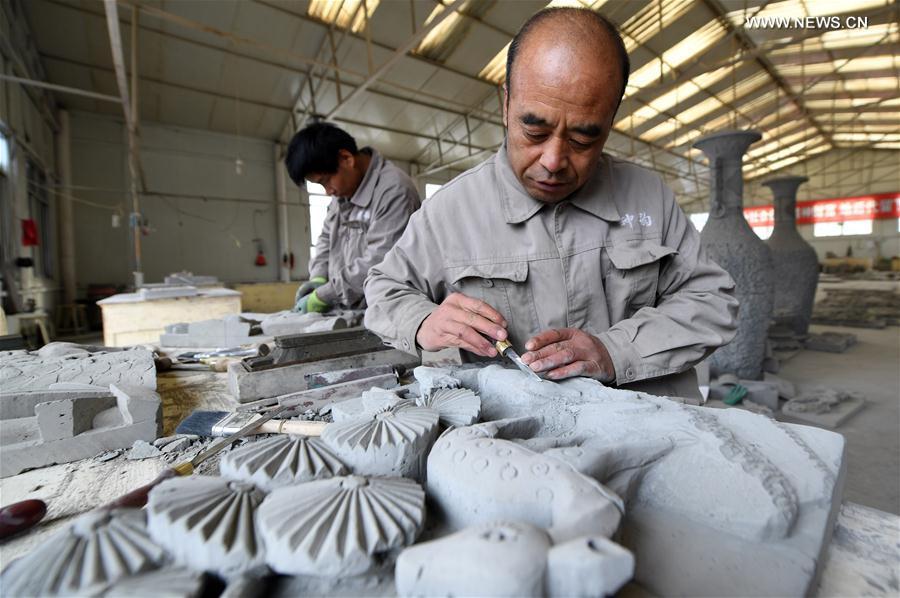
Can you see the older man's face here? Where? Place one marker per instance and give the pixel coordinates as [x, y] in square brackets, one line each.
[559, 113]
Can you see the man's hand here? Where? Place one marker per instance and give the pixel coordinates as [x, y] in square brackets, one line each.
[568, 352]
[311, 303]
[308, 287]
[460, 321]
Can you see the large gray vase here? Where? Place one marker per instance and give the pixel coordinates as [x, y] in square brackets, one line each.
[796, 263]
[731, 243]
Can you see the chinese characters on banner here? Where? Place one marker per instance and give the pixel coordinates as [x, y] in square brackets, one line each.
[864, 207]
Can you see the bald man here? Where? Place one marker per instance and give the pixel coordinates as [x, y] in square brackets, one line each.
[583, 260]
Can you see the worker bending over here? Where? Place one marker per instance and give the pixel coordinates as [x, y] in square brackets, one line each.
[372, 201]
[585, 260]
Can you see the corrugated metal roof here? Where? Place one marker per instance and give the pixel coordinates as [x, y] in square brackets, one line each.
[261, 68]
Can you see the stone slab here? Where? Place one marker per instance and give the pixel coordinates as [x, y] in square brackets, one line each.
[830, 418]
[289, 322]
[740, 505]
[830, 342]
[39, 370]
[70, 429]
[248, 386]
[229, 331]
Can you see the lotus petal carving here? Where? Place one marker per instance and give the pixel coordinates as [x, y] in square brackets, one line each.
[456, 406]
[207, 523]
[392, 441]
[98, 549]
[281, 460]
[339, 526]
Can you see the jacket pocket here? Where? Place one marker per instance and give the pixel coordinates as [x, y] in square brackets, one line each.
[506, 288]
[632, 279]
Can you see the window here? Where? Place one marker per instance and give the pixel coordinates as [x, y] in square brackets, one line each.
[4, 154]
[699, 219]
[318, 209]
[431, 189]
[763, 232]
[840, 229]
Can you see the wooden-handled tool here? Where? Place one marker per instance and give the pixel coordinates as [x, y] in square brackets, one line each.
[505, 349]
[20, 516]
[138, 497]
[225, 423]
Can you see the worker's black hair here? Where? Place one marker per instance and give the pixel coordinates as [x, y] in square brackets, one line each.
[314, 150]
[542, 15]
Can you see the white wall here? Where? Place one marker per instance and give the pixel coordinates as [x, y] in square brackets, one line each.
[29, 127]
[202, 216]
[883, 242]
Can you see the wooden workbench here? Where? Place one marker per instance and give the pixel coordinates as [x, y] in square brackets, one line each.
[129, 319]
[863, 558]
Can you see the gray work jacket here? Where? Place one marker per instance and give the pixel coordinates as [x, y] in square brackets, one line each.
[358, 231]
[618, 259]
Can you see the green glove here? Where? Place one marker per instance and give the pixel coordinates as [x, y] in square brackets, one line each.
[308, 287]
[736, 395]
[311, 304]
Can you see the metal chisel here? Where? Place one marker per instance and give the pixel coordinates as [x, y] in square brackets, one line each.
[505, 349]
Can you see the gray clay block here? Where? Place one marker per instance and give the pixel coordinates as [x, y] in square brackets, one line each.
[588, 567]
[493, 559]
[73, 429]
[735, 484]
[762, 393]
[21, 370]
[367, 518]
[248, 386]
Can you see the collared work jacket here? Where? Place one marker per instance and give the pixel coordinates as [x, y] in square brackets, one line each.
[359, 231]
[618, 259]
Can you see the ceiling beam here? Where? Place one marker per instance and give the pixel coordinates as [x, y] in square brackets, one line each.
[294, 64]
[375, 43]
[749, 44]
[399, 53]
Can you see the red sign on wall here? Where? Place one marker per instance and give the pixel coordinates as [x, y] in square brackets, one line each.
[863, 207]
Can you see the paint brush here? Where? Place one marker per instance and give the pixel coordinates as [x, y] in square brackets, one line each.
[224, 423]
[21, 516]
[138, 498]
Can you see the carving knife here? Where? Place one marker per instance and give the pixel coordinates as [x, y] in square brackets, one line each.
[505, 349]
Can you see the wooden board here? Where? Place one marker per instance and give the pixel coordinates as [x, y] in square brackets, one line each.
[267, 297]
[141, 322]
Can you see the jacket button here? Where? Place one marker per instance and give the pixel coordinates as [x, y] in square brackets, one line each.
[629, 373]
[405, 344]
[487, 282]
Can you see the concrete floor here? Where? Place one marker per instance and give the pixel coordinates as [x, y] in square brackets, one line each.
[871, 367]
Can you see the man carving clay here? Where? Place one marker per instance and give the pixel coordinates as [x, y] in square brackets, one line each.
[371, 205]
[585, 260]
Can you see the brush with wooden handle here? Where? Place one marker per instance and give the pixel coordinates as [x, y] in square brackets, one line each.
[138, 498]
[225, 423]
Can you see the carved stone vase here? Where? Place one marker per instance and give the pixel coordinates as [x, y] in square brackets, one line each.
[796, 262]
[731, 243]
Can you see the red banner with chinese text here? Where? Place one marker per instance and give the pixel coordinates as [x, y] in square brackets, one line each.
[863, 207]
